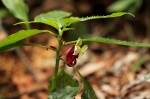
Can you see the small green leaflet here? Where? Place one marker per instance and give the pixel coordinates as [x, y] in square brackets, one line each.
[111, 41]
[12, 39]
[67, 92]
[18, 8]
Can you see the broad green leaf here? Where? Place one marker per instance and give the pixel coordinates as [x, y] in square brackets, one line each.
[52, 18]
[88, 92]
[64, 80]
[18, 8]
[67, 92]
[61, 19]
[3, 13]
[111, 41]
[52, 15]
[147, 76]
[12, 39]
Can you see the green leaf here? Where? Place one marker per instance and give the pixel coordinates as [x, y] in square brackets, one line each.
[12, 39]
[13, 45]
[66, 87]
[67, 92]
[18, 8]
[61, 19]
[111, 41]
[52, 15]
[64, 80]
[68, 21]
[52, 18]
[88, 92]
[117, 14]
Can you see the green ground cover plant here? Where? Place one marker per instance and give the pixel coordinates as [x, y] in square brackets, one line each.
[61, 85]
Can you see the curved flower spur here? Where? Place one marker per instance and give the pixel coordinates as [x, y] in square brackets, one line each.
[74, 52]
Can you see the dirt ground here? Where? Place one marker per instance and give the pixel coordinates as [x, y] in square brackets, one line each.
[115, 72]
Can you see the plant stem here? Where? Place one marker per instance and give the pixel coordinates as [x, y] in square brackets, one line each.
[77, 72]
[60, 43]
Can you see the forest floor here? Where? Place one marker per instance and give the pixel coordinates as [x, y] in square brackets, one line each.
[115, 72]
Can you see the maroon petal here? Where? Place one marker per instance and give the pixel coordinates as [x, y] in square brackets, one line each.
[70, 58]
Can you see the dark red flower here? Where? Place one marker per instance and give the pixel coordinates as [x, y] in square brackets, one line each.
[71, 58]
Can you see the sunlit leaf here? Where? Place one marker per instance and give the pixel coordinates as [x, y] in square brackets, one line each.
[18, 8]
[52, 15]
[52, 18]
[61, 20]
[12, 39]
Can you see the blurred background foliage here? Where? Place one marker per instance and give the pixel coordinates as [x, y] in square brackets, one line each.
[125, 5]
[101, 64]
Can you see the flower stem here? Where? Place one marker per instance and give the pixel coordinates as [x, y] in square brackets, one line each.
[60, 44]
